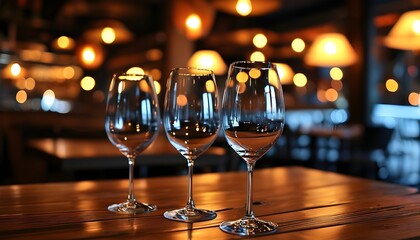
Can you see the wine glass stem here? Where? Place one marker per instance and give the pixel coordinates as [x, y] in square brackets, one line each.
[131, 161]
[249, 212]
[190, 201]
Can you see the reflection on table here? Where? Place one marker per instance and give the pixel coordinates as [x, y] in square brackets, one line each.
[305, 203]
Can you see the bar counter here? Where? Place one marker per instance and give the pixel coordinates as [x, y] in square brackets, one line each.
[305, 203]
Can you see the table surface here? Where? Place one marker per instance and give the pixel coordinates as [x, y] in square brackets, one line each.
[305, 203]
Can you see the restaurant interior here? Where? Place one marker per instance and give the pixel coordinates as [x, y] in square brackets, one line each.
[349, 71]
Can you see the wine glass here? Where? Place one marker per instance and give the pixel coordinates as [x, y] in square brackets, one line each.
[253, 117]
[191, 122]
[131, 123]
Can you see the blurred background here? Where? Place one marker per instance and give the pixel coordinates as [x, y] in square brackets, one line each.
[349, 68]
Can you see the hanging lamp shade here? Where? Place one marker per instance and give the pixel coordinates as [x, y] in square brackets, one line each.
[330, 49]
[405, 34]
[208, 59]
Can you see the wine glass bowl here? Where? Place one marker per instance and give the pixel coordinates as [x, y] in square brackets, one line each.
[131, 123]
[191, 122]
[253, 118]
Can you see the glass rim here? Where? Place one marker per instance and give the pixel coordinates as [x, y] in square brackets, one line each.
[134, 76]
[189, 71]
[266, 65]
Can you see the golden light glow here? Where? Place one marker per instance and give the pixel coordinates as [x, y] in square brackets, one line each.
[242, 88]
[88, 55]
[30, 83]
[414, 98]
[320, 94]
[391, 85]
[108, 35]
[154, 54]
[257, 56]
[193, 22]
[405, 34]
[181, 100]
[21, 96]
[336, 73]
[260, 40]
[157, 87]
[285, 73]
[298, 45]
[156, 74]
[254, 73]
[208, 59]
[330, 50]
[273, 78]
[300, 80]
[144, 86]
[337, 85]
[242, 77]
[244, 7]
[135, 70]
[210, 87]
[87, 83]
[68, 72]
[65, 42]
[331, 94]
[15, 69]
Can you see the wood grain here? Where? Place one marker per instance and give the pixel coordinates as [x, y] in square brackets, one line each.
[306, 204]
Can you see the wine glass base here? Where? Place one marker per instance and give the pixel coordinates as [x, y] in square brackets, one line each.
[248, 227]
[190, 215]
[131, 208]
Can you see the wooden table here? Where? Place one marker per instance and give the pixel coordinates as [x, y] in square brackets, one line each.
[306, 204]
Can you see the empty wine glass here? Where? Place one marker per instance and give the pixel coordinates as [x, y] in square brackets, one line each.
[252, 118]
[191, 122]
[131, 123]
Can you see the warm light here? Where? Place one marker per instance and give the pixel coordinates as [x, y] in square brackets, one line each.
[30, 83]
[298, 45]
[414, 98]
[405, 34]
[193, 21]
[300, 79]
[244, 7]
[257, 56]
[331, 49]
[210, 87]
[107, 31]
[144, 86]
[320, 94]
[337, 85]
[108, 35]
[208, 59]
[87, 83]
[391, 85]
[135, 70]
[15, 69]
[88, 55]
[336, 73]
[156, 74]
[154, 54]
[242, 77]
[91, 55]
[273, 78]
[21, 96]
[181, 100]
[331, 94]
[254, 73]
[64, 42]
[260, 40]
[285, 73]
[68, 72]
[157, 87]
